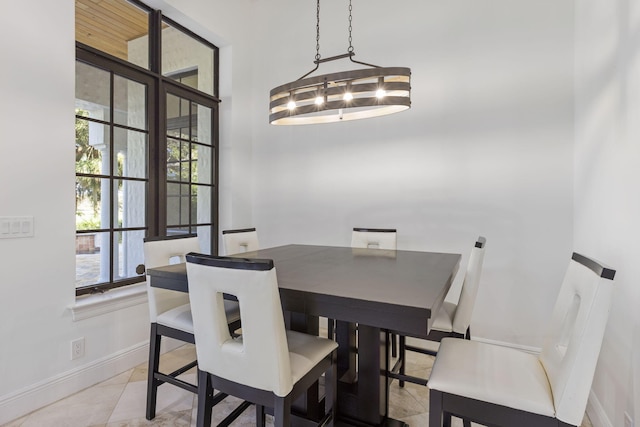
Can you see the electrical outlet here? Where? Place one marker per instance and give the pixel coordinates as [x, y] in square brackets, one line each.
[77, 348]
[628, 421]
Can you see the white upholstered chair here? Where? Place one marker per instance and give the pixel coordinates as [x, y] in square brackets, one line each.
[267, 365]
[240, 240]
[501, 386]
[454, 318]
[170, 313]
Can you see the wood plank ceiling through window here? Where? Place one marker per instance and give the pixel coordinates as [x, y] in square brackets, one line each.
[108, 25]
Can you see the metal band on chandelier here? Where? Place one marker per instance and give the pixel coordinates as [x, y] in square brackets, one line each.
[325, 99]
[341, 96]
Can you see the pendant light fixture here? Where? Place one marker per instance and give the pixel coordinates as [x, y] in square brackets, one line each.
[347, 95]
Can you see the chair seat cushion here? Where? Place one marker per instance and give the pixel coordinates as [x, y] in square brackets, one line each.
[177, 318]
[306, 351]
[444, 319]
[504, 376]
[180, 317]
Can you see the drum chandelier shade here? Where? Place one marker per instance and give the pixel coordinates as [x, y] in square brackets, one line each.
[342, 96]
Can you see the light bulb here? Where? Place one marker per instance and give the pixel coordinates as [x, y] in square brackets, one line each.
[348, 96]
[380, 93]
[291, 105]
[319, 100]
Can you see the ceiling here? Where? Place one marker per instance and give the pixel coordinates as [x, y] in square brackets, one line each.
[108, 25]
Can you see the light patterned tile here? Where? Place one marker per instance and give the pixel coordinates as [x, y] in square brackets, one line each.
[403, 404]
[166, 419]
[122, 378]
[224, 408]
[88, 407]
[421, 419]
[177, 358]
[16, 423]
[132, 404]
[140, 372]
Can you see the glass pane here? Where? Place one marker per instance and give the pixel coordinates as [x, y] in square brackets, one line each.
[92, 258]
[201, 124]
[92, 203]
[177, 117]
[177, 160]
[130, 103]
[131, 153]
[200, 204]
[130, 253]
[202, 164]
[204, 238]
[131, 197]
[116, 27]
[92, 147]
[177, 204]
[92, 92]
[187, 60]
[178, 230]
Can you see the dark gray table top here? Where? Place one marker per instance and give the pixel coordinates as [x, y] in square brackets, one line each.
[397, 290]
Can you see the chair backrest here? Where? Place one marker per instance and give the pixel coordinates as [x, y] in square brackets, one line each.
[573, 340]
[160, 251]
[259, 358]
[467, 300]
[376, 238]
[240, 240]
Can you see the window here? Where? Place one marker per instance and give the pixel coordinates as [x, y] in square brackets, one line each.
[190, 171]
[144, 166]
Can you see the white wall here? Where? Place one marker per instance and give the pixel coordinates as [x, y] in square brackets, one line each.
[485, 149]
[607, 206]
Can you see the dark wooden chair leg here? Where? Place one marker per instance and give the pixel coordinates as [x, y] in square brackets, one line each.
[435, 408]
[205, 394]
[403, 357]
[282, 412]
[260, 416]
[154, 361]
[394, 345]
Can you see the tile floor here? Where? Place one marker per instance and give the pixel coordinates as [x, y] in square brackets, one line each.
[120, 401]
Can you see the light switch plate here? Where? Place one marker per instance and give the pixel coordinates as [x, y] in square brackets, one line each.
[12, 227]
[4, 227]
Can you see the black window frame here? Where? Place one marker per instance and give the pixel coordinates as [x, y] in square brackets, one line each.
[159, 87]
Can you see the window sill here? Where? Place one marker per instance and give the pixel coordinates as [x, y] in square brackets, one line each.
[113, 300]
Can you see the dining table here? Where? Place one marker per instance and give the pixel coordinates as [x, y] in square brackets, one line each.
[369, 293]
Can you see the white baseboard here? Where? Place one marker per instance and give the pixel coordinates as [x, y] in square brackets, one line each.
[596, 412]
[17, 404]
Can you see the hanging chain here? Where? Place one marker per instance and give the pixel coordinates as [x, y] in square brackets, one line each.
[350, 28]
[318, 31]
[350, 53]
